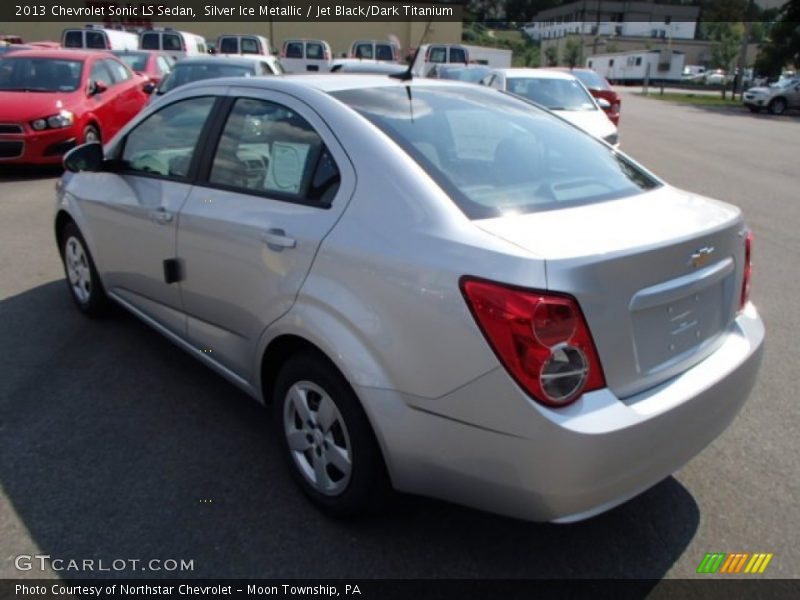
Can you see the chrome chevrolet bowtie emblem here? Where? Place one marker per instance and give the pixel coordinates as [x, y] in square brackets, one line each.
[701, 256]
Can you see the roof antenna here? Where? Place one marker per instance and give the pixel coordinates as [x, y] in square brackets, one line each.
[408, 74]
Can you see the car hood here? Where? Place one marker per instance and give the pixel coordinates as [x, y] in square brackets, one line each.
[759, 90]
[594, 122]
[18, 107]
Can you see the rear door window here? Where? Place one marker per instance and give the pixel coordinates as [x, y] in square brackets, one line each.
[73, 39]
[437, 54]
[229, 45]
[250, 46]
[458, 55]
[294, 50]
[314, 51]
[172, 42]
[384, 52]
[96, 40]
[363, 51]
[149, 41]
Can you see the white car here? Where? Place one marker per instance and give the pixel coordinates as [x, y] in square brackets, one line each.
[433, 285]
[560, 92]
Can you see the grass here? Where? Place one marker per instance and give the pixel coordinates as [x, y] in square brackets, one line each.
[695, 99]
[509, 35]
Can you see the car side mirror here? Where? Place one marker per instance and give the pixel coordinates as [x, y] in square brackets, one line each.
[603, 103]
[149, 87]
[86, 157]
[96, 87]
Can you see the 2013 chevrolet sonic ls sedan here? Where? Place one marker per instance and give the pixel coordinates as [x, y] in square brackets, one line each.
[438, 287]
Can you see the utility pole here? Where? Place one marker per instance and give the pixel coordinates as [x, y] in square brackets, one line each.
[742, 65]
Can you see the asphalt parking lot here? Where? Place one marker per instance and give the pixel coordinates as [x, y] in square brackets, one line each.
[115, 444]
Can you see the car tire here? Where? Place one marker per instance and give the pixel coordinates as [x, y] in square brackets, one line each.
[777, 106]
[326, 438]
[91, 134]
[754, 109]
[83, 282]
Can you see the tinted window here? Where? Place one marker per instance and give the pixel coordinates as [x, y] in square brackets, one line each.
[458, 55]
[137, 62]
[149, 41]
[294, 50]
[270, 149]
[164, 143]
[591, 80]
[384, 52]
[73, 39]
[96, 39]
[186, 72]
[40, 74]
[314, 50]
[172, 42]
[437, 54]
[101, 74]
[229, 45]
[555, 94]
[118, 71]
[495, 154]
[364, 51]
[250, 46]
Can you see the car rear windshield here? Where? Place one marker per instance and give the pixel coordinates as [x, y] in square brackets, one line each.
[187, 73]
[591, 80]
[137, 62]
[39, 74]
[555, 94]
[494, 154]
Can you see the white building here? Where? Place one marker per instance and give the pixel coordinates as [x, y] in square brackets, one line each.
[607, 18]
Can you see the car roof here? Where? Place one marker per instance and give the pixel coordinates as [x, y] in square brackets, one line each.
[60, 53]
[535, 73]
[229, 59]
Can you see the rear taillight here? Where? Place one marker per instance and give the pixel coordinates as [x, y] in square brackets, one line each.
[326, 55]
[748, 244]
[542, 340]
[615, 107]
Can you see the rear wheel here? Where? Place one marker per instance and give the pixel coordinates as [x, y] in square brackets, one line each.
[777, 106]
[326, 438]
[83, 281]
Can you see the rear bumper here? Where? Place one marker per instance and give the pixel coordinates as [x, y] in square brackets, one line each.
[488, 446]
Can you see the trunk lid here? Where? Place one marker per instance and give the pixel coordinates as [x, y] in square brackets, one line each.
[658, 277]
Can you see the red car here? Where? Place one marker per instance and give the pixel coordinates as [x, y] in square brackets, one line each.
[51, 101]
[599, 87]
[153, 65]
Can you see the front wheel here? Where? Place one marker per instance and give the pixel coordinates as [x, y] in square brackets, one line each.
[326, 438]
[91, 134]
[83, 281]
[777, 106]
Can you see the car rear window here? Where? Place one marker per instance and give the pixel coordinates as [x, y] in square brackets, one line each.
[137, 62]
[39, 74]
[172, 42]
[149, 41]
[95, 40]
[555, 94]
[458, 55]
[294, 50]
[229, 45]
[250, 46]
[73, 39]
[313, 50]
[186, 73]
[494, 154]
[591, 80]
[384, 52]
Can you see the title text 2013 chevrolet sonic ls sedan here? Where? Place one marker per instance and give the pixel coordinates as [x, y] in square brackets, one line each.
[438, 287]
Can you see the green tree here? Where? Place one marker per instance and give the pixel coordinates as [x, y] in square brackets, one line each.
[551, 56]
[783, 46]
[727, 39]
[572, 52]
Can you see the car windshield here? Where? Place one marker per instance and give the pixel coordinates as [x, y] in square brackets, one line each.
[494, 154]
[137, 62]
[187, 73]
[555, 94]
[39, 74]
[591, 80]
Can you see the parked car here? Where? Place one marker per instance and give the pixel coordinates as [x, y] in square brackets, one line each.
[375, 50]
[430, 283]
[560, 92]
[777, 98]
[469, 73]
[430, 55]
[306, 55]
[357, 65]
[715, 77]
[693, 73]
[212, 67]
[51, 101]
[149, 63]
[599, 87]
[93, 37]
[10, 38]
[178, 44]
[243, 44]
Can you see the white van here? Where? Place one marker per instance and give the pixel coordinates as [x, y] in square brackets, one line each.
[306, 55]
[94, 37]
[375, 50]
[178, 44]
[430, 55]
[243, 44]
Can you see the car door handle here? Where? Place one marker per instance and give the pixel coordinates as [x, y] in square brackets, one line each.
[161, 215]
[276, 239]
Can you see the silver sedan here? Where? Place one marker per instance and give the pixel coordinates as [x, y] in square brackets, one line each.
[437, 287]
